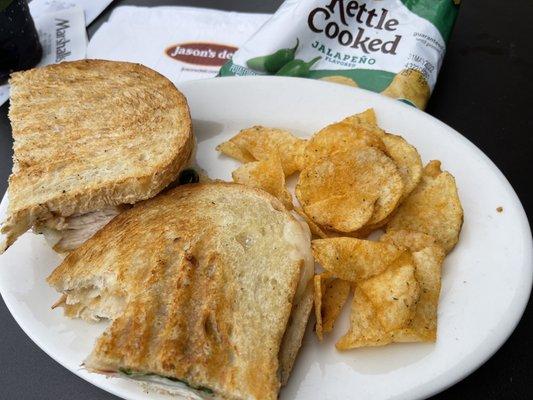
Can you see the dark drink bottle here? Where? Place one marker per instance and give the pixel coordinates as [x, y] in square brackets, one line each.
[19, 43]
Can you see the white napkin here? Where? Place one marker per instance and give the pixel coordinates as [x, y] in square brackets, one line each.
[182, 43]
[91, 8]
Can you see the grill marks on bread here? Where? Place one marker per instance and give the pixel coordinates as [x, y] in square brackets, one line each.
[210, 275]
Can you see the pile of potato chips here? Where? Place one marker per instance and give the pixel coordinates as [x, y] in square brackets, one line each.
[354, 179]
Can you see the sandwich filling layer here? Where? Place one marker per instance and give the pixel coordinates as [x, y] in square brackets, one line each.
[65, 234]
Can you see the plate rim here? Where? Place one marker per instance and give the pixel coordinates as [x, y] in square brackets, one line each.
[493, 343]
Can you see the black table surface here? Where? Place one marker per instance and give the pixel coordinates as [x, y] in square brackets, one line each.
[483, 91]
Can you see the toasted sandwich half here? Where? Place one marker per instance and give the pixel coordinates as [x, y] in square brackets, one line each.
[90, 138]
[207, 285]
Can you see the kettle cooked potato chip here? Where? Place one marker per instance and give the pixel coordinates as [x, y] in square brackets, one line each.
[340, 136]
[383, 305]
[406, 158]
[366, 117]
[404, 155]
[319, 282]
[351, 189]
[232, 150]
[343, 213]
[336, 294]
[266, 174]
[354, 259]
[433, 208]
[414, 241]
[313, 227]
[261, 141]
[428, 257]
[330, 295]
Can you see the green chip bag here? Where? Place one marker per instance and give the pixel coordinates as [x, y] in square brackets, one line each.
[393, 47]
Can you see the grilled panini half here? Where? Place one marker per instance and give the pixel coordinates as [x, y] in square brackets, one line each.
[89, 137]
[207, 284]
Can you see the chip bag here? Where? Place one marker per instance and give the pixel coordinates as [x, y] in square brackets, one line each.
[393, 47]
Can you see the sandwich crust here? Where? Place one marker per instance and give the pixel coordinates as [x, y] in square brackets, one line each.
[90, 134]
[292, 340]
[200, 283]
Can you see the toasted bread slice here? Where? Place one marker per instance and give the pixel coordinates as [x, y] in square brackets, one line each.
[200, 283]
[292, 341]
[91, 134]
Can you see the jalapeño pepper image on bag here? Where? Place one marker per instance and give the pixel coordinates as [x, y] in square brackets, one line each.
[298, 68]
[393, 47]
[272, 63]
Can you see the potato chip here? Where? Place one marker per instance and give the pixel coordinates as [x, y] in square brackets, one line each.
[320, 282]
[365, 329]
[330, 295]
[354, 259]
[428, 273]
[313, 227]
[343, 213]
[409, 84]
[383, 305]
[266, 174]
[395, 294]
[341, 136]
[341, 192]
[404, 155]
[261, 141]
[232, 150]
[366, 117]
[433, 208]
[368, 229]
[343, 80]
[406, 158]
[363, 233]
[322, 232]
[428, 257]
[333, 300]
[414, 241]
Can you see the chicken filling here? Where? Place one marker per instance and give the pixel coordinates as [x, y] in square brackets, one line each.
[65, 234]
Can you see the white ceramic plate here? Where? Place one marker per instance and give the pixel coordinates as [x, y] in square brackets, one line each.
[486, 279]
